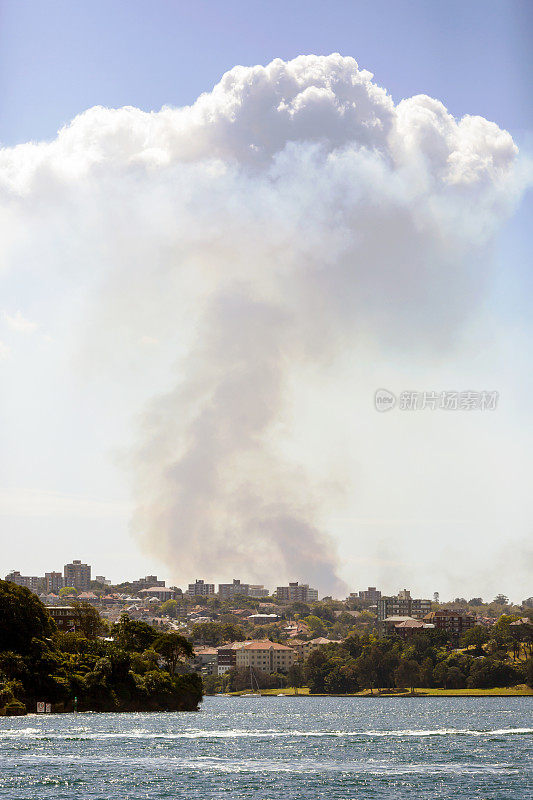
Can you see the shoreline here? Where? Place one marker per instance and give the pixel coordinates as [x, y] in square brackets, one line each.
[512, 691]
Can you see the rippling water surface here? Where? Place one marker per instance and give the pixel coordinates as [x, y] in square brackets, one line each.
[270, 748]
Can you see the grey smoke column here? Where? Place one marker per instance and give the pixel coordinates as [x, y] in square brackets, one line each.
[218, 497]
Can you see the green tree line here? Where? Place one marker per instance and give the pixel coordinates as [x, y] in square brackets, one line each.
[135, 668]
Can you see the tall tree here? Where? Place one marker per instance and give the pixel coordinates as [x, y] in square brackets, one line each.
[87, 619]
[173, 648]
[134, 635]
[407, 674]
[22, 618]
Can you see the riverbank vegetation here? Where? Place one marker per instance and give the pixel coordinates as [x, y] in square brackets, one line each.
[428, 662]
[132, 669]
[425, 660]
[502, 691]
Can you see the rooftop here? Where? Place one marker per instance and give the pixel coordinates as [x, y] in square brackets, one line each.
[264, 646]
[414, 623]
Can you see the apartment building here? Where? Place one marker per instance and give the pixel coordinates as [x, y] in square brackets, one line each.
[370, 595]
[257, 590]
[301, 648]
[78, 575]
[160, 593]
[206, 660]
[29, 581]
[393, 606]
[65, 617]
[201, 589]
[420, 607]
[305, 648]
[228, 591]
[265, 656]
[227, 657]
[296, 592]
[402, 605]
[146, 583]
[450, 621]
[53, 582]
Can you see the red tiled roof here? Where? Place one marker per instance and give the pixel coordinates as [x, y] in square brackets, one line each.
[264, 646]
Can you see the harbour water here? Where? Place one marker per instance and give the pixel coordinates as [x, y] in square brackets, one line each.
[277, 747]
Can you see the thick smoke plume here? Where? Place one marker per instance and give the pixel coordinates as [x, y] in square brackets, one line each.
[287, 216]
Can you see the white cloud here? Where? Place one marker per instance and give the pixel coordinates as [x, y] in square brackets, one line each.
[290, 217]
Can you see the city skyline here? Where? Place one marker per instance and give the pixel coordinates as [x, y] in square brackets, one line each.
[223, 589]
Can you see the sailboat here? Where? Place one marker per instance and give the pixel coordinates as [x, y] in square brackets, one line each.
[252, 693]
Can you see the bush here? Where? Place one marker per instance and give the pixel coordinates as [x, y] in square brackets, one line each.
[213, 684]
[15, 709]
[488, 674]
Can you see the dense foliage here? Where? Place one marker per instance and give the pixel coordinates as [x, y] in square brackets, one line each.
[135, 669]
[215, 633]
[425, 660]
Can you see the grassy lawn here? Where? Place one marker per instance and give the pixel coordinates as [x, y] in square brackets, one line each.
[510, 691]
[289, 691]
[506, 691]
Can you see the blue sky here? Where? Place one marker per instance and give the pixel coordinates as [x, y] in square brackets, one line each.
[58, 57]
[61, 457]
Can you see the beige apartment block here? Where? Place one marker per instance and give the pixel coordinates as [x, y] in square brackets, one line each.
[265, 656]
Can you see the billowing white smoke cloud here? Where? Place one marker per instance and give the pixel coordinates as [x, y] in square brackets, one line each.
[287, 216]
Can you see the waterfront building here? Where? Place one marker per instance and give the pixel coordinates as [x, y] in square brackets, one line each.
[227, 657]
[265, 656]
[206, 660]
